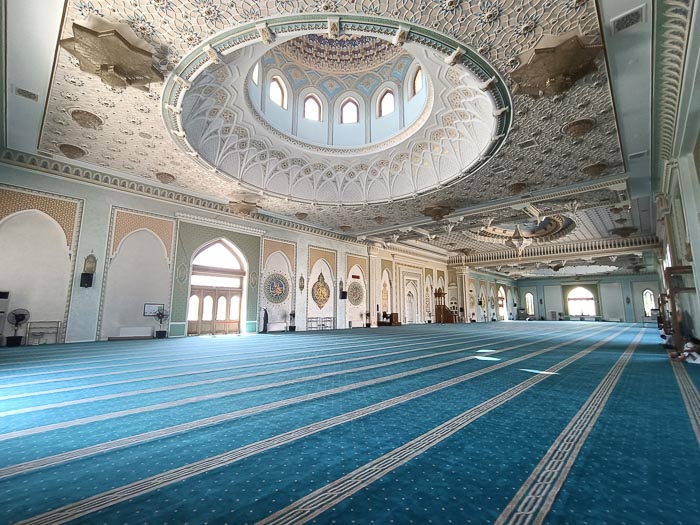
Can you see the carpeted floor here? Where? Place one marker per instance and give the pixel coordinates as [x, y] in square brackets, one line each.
[514, 422]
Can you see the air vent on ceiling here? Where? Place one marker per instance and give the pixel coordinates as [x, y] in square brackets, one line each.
[637, 155]
[27, 94]
[628, 19]
[528, 144]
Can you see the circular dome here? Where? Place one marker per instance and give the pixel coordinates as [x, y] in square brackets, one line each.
[344, 93]
[221, 107]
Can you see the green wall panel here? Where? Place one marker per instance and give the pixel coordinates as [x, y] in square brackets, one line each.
[191, 237]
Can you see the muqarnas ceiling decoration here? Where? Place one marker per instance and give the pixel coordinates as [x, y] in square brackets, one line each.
[113, 52]
[554, 65]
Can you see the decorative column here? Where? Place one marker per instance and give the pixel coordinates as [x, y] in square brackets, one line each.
[463, 292]
[374, 284]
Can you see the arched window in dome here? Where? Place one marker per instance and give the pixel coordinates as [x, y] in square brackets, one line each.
[256, 74]
[278, 92]
[349, 112]
[386, 103]
[312, 108]
[417, 82]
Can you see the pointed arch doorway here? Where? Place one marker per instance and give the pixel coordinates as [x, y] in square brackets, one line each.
[216, 290]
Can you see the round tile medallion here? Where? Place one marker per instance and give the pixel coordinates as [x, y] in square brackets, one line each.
[276, 288]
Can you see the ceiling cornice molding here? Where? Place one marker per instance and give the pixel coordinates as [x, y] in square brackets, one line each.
[671, 33]
[144, 189]
[291, 225]
[560, 251]
[220, 223]
[115, 182]
[415, 253]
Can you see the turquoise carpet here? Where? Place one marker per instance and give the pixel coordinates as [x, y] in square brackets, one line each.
[513, 422]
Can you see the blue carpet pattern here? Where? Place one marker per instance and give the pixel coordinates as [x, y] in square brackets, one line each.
[514, 422]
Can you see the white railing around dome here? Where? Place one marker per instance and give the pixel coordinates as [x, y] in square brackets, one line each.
[556, 250]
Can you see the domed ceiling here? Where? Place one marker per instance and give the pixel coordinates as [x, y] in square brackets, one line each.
[344, 54]
[467, 116]
[521, 115]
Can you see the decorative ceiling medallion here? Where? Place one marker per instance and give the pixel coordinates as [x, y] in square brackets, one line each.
[276, 288]
[345, 228]
[379, 219]
[113, 52]
[320, 292]
[517, 187]
[301, 215]
[72, 151]
[165, 178]
[518, 236]
[86, 119]
[301, 283]
[623, 231]
[554, 65]
[594, 170]
[437, 213]
[355, 294]
[578, 128]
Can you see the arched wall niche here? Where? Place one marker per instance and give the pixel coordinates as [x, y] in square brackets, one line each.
[138, 273]
[277, 290]
[386, 304]
[411, 302]
[429, 297]
[192, 237]
[321, 291]
[36, 266]
[356, 305]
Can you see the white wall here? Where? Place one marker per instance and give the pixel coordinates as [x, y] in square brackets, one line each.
[137, 274]
[34, 266]
[611, 301]
[553, 300]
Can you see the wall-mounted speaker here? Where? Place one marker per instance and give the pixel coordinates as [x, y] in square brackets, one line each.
[343, 295]
[86, 280]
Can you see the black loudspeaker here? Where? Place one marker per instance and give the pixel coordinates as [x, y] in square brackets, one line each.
[343, 295]
[86, 280]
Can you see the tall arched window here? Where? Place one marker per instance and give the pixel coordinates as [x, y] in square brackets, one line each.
[217, 289]
[208, 308]
[529, 304]
[235, 307]
[417, 82]
[312, 108]
[386, 103]
[193, 308]
[581, 302]
[256, 74]
[349, 112]
[648, 301]
[221, 309]
[278, 92]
